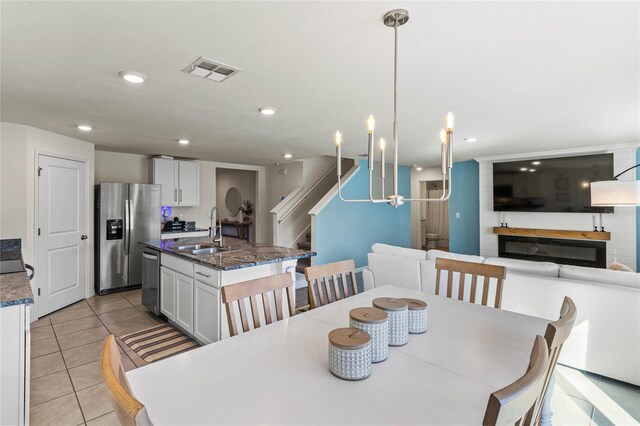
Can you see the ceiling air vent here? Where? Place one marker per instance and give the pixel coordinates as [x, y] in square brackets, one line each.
[211, 70]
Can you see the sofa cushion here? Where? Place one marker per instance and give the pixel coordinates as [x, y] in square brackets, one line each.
[399, 251]
[627, 279]
[433, 254]
[395, 270]
[547, 269]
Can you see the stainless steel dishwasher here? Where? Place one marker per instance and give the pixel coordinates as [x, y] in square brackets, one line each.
[151, 280]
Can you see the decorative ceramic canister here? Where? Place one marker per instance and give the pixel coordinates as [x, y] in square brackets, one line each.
[417, 316]
[374, 322]
[350, 353]
[398, 319]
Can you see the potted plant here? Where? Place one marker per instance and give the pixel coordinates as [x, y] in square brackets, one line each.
[247, 210]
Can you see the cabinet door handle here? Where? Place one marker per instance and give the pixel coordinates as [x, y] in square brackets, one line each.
[204, 275]
[180, 194]
[175, 195]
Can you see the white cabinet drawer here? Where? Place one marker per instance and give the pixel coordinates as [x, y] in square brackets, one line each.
[206, 275]
[179, 265]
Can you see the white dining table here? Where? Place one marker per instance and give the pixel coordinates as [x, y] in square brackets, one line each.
[279, 374]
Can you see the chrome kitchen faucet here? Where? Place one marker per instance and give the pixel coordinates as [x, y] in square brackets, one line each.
[216, 229]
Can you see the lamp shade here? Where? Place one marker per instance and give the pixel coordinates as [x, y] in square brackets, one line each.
[615, 193]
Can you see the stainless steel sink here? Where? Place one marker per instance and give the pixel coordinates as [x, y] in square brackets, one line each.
[212, 250]
[194, 247]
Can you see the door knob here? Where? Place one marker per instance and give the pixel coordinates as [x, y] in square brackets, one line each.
[84, 237]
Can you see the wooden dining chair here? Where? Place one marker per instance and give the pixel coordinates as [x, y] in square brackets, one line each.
[330, 282]
[129, 410]
[237, 295]
[514, 404]
[556, 334]
[475, 270]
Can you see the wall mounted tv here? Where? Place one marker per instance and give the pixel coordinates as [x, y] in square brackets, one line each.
[550, 184]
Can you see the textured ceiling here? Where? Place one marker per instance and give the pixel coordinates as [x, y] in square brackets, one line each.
[520, 76]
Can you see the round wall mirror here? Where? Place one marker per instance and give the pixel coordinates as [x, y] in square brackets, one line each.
[233, 201]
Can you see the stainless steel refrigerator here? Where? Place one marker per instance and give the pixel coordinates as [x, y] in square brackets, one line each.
[126, 213]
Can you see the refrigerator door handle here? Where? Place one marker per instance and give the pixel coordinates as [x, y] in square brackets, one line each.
[126, 227]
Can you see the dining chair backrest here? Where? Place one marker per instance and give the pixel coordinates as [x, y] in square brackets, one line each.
[237, 295]
[514, 404]
[128, 409]
[474, 270]
[556, 334]
[330, 282]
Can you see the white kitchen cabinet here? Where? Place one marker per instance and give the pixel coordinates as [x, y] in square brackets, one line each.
[206, 323]
[180, 181]
[168, 292]
[164, 172]
[188, 183]
[15, 357]
[184, 302]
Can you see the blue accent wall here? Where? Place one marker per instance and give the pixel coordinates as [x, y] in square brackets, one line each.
[638, 216]
[347, 230]
[464, 232]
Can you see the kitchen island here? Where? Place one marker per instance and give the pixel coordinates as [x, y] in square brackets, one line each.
[193, 271]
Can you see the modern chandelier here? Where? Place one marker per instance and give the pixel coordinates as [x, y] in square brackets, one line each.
[395, 19]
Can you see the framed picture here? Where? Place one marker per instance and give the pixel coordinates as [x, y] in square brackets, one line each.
[562, 196]
[562, 183]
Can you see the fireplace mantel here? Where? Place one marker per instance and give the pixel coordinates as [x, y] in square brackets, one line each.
[553, 233]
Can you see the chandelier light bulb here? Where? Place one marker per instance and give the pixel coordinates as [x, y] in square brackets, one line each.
[382, 144]
[371, 124]
[337, 138]
[450, 121]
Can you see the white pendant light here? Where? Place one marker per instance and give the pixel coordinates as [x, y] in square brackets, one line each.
[616, 192]
[395, 19]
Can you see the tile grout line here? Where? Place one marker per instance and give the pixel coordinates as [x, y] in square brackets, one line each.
[60, 351]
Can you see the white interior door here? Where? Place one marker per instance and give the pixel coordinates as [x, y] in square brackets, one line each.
[62, 221]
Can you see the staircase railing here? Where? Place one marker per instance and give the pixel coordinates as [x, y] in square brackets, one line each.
[305, 195]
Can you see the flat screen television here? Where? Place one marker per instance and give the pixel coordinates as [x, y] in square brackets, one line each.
[550, 184]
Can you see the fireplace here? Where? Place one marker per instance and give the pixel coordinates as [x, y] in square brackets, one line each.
[561, 251]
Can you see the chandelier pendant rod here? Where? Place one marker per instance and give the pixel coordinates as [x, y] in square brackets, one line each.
[395, 110]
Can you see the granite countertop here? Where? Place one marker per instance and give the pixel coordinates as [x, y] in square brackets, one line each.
[14, 288]
[179, 231]
[243, 254]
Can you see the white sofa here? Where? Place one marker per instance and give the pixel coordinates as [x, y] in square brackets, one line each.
[606, 336]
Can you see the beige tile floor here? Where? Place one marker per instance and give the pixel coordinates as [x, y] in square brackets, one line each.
[66, 384]
[67, 388]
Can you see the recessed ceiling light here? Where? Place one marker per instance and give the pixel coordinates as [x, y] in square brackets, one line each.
[536, 163]
[419, 169]
[132, 76]
[288, 156]
[84, 127]
[532, 170]
[267, 110]
[523, 169]
[471, 139]
[183, 141]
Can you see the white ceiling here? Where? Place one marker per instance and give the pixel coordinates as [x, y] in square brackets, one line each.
[520, 76]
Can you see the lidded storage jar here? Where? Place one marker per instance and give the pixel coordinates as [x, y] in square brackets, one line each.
[398, 319]
[374, 322]
[350, 353]
[417, 316]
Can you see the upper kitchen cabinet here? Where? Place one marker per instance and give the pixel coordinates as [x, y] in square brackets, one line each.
[180, 181]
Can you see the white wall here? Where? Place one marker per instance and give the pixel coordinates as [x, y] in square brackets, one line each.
[279, 185]
[621, 224]
[116, 167]
[19, 147]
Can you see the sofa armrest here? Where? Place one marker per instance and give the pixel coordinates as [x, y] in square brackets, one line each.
[367, 279]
